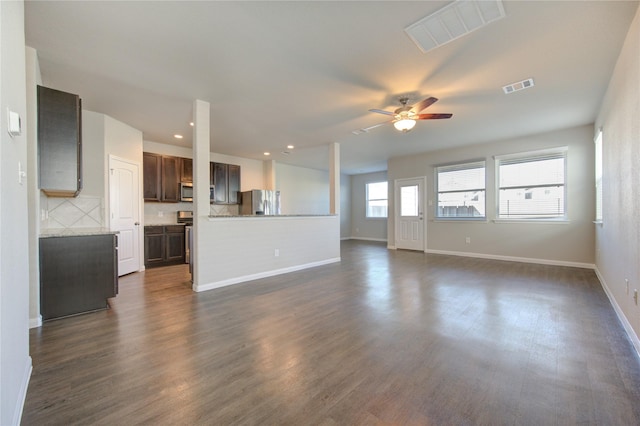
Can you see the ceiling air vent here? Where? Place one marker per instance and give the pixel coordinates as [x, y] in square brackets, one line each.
[453, 21]
[520, 85]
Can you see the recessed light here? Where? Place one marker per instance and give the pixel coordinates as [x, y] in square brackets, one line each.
[267, 153]
[177, 136]
[290, 146]
[191, 124]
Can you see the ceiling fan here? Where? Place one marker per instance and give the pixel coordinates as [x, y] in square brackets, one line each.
[405, 117]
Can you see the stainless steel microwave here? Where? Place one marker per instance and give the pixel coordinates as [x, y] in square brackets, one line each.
[186, 192]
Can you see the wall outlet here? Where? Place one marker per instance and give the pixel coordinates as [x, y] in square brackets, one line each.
[626, 281]
[160, 213]
[467, 240]
[276, 252]
[357, 230]
[635, 296]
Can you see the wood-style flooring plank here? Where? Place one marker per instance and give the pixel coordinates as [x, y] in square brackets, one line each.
[383, 337]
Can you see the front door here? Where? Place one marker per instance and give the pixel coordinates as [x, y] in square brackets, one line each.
[124, 206]
[409, 213]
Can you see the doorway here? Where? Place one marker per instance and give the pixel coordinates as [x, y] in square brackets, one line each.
[409, 213]
[124, 212]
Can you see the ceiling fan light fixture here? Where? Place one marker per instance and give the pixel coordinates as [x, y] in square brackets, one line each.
[404, 125]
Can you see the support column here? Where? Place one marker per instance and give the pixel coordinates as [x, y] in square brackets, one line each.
[269, 170]
[201, 206]
[334, 178]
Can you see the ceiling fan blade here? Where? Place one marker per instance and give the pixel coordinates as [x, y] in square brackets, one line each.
[433, 116]
[423, 104]
[381, 111]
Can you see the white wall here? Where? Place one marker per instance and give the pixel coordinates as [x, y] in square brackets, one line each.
[362, 227]
[302, 190]
[93, 153]
[618, 238]
[569, 243]
[33, 78]
[15, 363]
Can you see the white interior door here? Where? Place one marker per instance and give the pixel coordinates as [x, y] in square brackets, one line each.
[409, 213]
[124, 206]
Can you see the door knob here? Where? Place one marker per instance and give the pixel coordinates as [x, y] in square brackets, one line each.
[137, 224]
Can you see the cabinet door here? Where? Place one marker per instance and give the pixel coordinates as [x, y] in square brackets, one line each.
[186, 170]
[151, 165]
[154, 245]
[170, 179]
[233, 184]
[59, 142]
[77, 274]
[220, 181]
[175, 244]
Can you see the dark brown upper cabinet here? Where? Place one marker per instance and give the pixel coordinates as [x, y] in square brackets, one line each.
[59, 143]
[226, 181]
[186, 170]
[161, 177]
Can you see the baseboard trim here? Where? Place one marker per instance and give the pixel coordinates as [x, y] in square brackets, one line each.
[24, 385]
[635, 341]
[514, 259]
[381, 240]
[266, 274]
[35, 322]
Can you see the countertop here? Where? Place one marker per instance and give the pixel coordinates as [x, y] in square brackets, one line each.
[67, 232]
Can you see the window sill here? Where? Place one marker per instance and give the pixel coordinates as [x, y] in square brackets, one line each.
[539, 221]
[375, 218]
[598, 222]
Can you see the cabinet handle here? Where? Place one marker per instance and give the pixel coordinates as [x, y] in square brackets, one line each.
[137, 224]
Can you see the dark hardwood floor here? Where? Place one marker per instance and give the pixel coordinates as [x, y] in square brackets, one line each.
[384, 337]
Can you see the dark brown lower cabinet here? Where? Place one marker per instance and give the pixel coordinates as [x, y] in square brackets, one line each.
[77, 274]
[163, 245]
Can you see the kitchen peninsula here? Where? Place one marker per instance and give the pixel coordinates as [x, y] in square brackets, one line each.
[235, 249]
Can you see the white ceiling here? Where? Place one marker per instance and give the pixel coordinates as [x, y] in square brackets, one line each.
[306, 72]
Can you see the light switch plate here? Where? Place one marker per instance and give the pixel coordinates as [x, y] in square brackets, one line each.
[14, 126]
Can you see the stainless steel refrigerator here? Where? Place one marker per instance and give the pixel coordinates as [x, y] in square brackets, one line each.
[260, 202]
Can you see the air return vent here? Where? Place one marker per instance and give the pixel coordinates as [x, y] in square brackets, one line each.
[453, 21]
[520, 85]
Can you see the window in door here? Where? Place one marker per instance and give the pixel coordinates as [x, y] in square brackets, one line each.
[376, 193]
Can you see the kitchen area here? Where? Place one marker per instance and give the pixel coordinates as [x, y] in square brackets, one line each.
[168, 198]
[244, 234]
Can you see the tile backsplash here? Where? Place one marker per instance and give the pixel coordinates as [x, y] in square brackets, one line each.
[72, 213]
[165, 213]
[85, 212]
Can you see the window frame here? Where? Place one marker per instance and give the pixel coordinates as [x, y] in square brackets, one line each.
[367, 200]
[598, 141]
[560, 152]
[463, 165]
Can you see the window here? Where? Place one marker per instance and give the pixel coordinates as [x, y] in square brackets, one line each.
[598, 142]
[532, 186]
[377, 199]
[461, 191]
